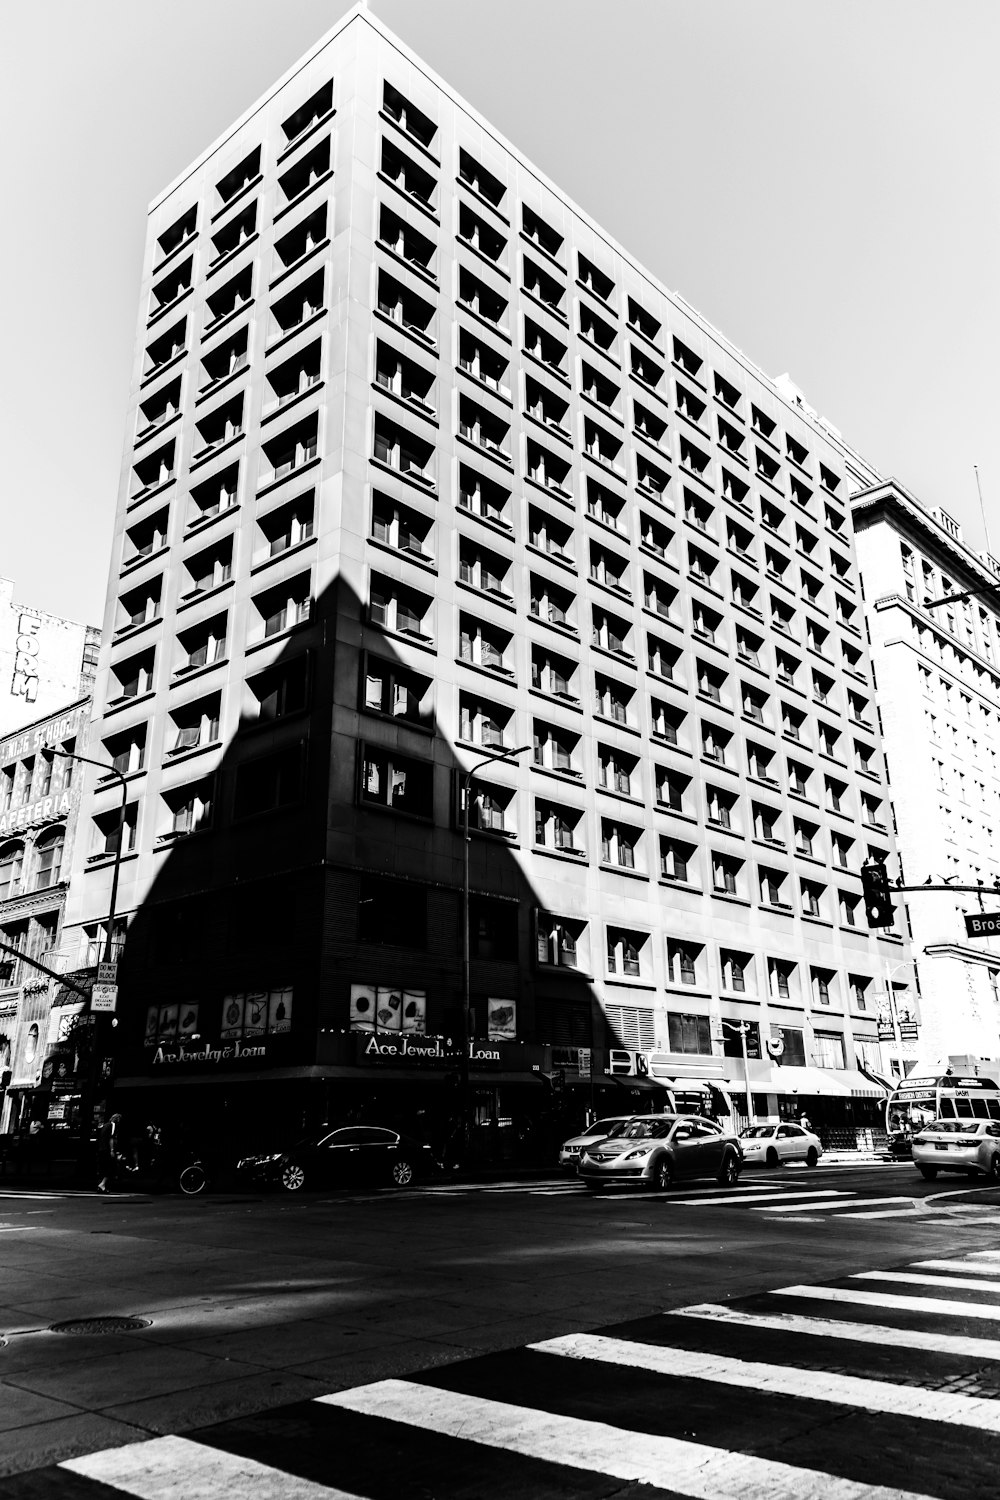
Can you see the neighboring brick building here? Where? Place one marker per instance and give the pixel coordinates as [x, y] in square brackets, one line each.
[423, 467]
[39, 802]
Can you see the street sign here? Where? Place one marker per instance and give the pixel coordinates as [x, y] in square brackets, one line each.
[104, 998]
[107, 973]
[982, 923]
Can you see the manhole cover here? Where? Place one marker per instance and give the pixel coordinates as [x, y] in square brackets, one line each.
[101, 1325]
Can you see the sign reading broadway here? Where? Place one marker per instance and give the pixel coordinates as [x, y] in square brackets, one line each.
[982, 923]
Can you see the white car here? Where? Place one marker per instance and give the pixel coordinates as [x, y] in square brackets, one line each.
[570, 1151]
[775, 1144]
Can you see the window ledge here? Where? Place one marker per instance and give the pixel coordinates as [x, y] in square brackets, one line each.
[129, 632]
[102, 861]
[187, 600]
[599, 407]
[612, 359]
[134, 564]
[679, 885]
[265, 562]
[606, 466]
[215, 386]
[626, 981]
[538, 249]
[302, 195]
[617, 724]
[405, 476]
[497, 329]
[414, 267]
[494, 265]
[143, 495]
[497, 674]
[173, 757]
[167, 307]
[188, 674]
[505, 460]
[117, 705]
[552, 371]
[474, 192]
[410, 404]
[295, 265]
[158, 370]
[279, 635]
[546, 307]
[503, 600]
[498, 392]
[202, 523]
[167, 840]
[226, 259]
[622, 658]
[154, 429]
[306, 134]
[569, 563]
[291, 401]
[567, 632]
[562, 700]
[782, 909]
[419, 642]
[552, 491]
[410, 198]
[630, 874]
[568, 856]
[617, 590]
[570, 778]
[549, 428]
[206, 454]
[817, 921]
[626, 797]
[217, 324]
[242, 193]
[423, 561]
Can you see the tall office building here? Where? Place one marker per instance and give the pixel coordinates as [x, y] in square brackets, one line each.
[934, 613]
[423, 469]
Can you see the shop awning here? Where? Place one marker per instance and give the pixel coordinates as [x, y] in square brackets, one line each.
[809, 1082]
[883, 1083]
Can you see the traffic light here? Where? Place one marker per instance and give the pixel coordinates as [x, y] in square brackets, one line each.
[875, 889]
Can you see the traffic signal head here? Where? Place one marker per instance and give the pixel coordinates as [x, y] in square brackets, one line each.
[875, 889]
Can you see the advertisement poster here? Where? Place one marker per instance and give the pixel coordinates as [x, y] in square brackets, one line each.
[152, 1034]
[233, 1007]
[169, 1017]
[362, 1007]
[188, 1025]
[501, 1020]
[389, 1010]
[415, 1010]
[255, 1014]
[279, 1011]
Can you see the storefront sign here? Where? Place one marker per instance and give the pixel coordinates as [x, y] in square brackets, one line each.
[24, 682]
[104, 998]
[207, 1054]
[30, 741]
[375, 1048]
[583, 1061]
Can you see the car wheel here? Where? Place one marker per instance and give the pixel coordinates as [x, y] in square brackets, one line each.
[811, 1157]
[293, 1177]
[663, 1175]
[402, 1172]
[729, 1172]
[772, 1159]
[929, 1173]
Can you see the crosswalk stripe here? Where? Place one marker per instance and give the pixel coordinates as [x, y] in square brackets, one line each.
[817, 1207]
[863, 1333]
[673, 1464]
[818, 1385]
[783, 1195]
[174, 1468]
[919, 1278]
[989, 1311]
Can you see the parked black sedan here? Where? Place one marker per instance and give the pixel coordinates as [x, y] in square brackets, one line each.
[342, 1158]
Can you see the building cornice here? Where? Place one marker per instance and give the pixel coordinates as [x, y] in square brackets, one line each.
[895, 502]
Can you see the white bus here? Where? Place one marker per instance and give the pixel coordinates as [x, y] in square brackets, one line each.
[916, 1101]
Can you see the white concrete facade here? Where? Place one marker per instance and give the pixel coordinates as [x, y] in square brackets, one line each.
[938, 688]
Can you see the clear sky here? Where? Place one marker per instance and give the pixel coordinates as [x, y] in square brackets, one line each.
[818, 179]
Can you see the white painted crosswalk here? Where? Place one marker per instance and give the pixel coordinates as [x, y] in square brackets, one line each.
[868, 1386]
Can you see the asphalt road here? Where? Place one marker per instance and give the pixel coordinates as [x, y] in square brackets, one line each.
[413, 1311]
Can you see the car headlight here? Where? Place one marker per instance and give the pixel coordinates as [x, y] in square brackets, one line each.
[639, 1151]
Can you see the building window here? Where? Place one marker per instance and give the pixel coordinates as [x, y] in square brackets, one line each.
[555, 827]
[615, 770]
[189, 808]
[671, 788]
[772, 887]
[560, 942]
[737, 971]
[726, 874]
[107, 827]
[684, 961]
[675, 860]
[828, 1050]
[859, 986]
[397, 781]
[630, 1028]
[195, 724]
[689, 1034]
[620, 844]
[782, 979]
[395, 607]
[406, 115]
[404, 308]
[269, 782]
[11, 865]
[316, 108]
[823, 981]
[554, 748]
[793, 1044]
[624, 950]
[280, 690]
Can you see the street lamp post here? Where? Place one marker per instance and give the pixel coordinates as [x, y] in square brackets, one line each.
[467, 779]
[743, 1028]
[88, 1098]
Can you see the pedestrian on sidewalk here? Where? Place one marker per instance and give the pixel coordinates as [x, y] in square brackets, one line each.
[109, 1152]
[805, 1121]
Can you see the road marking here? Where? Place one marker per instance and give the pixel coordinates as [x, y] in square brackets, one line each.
[673, 1464]
[986, 1310]
[817, 1207]
[786, 1195]
[861, 1333]
[173, 1468]
[816, 1385]
[916, 1278]
[956, 1265]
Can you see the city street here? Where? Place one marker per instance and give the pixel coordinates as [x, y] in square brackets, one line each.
[376, 1344]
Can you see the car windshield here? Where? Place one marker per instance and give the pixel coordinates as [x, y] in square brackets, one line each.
[643, 1130]
[755, 1132]
[953, 1127]
[601, 1127]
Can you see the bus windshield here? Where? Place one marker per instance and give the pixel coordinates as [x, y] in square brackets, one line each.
[917, 1102]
